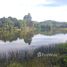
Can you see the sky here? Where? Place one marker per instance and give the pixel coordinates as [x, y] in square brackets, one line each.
[40, 10]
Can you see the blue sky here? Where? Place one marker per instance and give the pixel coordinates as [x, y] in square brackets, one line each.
[61, 2]
[54, 3]
[40, 9]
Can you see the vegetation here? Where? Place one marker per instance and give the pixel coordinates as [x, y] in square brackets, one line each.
[11, 29]
[18, 59]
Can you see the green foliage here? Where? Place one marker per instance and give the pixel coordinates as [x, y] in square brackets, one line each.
[37, 62]
[15, 64]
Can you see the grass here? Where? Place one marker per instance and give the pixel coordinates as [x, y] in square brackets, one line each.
[36, 62]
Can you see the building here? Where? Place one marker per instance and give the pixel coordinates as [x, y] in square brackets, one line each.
[28, 19]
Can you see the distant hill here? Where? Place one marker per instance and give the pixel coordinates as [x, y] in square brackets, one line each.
[53, 23]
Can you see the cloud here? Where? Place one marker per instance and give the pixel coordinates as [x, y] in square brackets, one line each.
[50, 13]
[18, 8]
